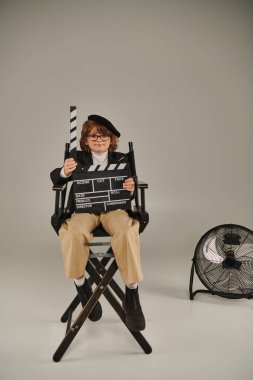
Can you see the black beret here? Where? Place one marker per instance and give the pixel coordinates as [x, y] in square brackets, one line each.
[106, 123]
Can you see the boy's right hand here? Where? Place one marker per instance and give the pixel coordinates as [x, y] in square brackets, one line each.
[69, 166]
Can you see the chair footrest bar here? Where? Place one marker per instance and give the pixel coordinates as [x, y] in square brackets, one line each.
[105, 243]
[102, 254]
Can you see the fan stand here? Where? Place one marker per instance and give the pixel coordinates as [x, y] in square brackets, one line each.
[192, 293]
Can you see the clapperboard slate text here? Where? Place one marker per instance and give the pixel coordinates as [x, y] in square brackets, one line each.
[99, 188]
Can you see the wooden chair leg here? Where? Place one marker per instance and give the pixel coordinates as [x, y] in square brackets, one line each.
[96, 269]
[100, 268]
[72, 306]
[79, 321]
[117, 307]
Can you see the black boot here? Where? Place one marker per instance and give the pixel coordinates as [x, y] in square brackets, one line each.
[85, 292]
[135, 320]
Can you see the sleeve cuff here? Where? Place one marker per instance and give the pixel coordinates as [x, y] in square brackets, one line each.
[63, 175]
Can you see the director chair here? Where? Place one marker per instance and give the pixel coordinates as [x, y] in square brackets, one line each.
[101, 266]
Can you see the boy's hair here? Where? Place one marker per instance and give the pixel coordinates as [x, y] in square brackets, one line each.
[86, 129]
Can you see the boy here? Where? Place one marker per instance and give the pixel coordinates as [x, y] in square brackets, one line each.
[98, 142]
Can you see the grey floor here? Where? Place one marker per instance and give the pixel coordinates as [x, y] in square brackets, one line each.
[208, 338]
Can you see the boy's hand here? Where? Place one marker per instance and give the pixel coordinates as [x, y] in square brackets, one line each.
[69, 166]
[129, 184]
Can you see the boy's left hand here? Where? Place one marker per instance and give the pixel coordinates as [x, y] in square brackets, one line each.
[129, 184]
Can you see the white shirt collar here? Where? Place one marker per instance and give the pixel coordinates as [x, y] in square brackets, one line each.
[100, 158]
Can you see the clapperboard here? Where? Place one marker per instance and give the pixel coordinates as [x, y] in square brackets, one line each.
[99, 188]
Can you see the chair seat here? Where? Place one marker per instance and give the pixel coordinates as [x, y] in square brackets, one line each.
[100, 232]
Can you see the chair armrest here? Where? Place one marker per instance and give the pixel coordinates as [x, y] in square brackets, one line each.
[59, 212]
[142, 185]
[139, 211]
[59, 187]
[60, 194]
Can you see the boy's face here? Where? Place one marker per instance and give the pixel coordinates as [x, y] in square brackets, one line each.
[101, 144]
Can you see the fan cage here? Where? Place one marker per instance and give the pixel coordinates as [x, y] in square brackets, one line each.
[223, 261]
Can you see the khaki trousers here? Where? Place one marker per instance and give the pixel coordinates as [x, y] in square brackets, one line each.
[76, 232]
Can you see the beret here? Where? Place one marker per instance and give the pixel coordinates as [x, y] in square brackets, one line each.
[106, 123]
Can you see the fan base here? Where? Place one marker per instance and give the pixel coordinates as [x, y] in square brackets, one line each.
[213, 293]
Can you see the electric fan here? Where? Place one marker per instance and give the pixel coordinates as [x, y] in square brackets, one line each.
[223, 261]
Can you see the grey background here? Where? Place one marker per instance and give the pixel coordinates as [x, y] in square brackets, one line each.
[175, 77]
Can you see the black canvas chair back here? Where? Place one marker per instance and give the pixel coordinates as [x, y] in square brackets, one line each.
[101, 266]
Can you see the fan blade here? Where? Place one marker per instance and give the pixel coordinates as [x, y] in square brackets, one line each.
[210, 250]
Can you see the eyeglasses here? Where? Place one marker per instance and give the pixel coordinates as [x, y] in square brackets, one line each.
[102, 137]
